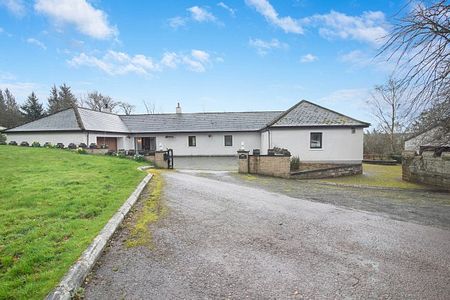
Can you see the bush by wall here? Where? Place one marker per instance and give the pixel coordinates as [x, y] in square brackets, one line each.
[24, 144]
[13, 143]
[35, 144]
[295, 163]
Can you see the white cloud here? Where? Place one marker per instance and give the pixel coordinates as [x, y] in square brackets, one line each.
[201, 14]
[176, 22]
[120, 63]
[36, 42]
[307, 58]
[200, 55]
[288, 24]
[263, 47]
[80, 13]
[16, 7]
[358, 59]
[370, 27]
[116, 63]
[227, 8]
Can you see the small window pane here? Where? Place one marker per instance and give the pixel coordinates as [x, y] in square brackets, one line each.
[228, 140]
[192, 141]
[316, 140]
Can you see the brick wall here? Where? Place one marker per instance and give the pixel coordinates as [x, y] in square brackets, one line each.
[427, 168]
[277, 166]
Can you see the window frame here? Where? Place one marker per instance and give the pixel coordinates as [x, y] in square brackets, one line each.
[194, 139]
[311, 140]
[225, 140]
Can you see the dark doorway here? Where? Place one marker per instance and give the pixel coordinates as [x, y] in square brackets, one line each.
[146, 143]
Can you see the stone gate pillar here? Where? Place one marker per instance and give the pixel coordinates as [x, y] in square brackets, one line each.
[243, 161]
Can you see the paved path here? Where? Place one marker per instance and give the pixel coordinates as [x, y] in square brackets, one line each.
[226, 240]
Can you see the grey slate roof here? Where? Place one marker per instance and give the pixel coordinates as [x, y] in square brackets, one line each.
[306, 114]
[61, 121]
[303, 114]
[100, 121]
[200, 122]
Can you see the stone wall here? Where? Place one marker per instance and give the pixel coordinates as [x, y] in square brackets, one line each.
[427, 168]
[329, 172]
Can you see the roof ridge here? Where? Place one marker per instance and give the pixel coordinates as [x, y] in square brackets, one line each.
[209, 112]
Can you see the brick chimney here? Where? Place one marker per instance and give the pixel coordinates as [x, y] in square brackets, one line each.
[178, 110]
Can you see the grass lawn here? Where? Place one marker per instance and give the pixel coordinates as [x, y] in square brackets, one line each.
[377, 176]
[52, 204]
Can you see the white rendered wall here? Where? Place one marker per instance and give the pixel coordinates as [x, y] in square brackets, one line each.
[338, 144]
[207, 143]
[69, 137]
[264, 142]
[52, 137]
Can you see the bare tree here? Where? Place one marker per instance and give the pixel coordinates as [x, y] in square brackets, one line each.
[419, 43]
[97, 101]
[127, 108]
[390, 107]
[149, 107]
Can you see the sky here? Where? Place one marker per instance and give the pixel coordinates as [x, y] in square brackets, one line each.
[242, 55]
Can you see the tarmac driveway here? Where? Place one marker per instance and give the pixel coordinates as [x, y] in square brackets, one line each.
[227, 240]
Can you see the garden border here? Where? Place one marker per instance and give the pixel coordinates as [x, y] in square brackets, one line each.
[78, 271]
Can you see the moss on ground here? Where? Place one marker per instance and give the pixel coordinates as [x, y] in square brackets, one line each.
[151, 211]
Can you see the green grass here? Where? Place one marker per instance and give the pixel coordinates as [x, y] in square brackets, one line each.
[52, 204]
[377, 176]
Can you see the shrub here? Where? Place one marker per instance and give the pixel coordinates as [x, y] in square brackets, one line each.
[110, 152]
[121, 155]
[103, 146]
[139, 158]
[2, 139]
[36, 144]
[81, 151]
[93, 146]
[131, 152]
[281, 151]
[82, 146]
[48, 145]
[295, 163]
[24, 144]
[13, 143]
[59, 146]
[72, 146]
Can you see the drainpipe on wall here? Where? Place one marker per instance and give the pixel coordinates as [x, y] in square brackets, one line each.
[87, 138]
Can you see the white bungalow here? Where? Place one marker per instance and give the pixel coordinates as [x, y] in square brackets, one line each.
[307, 130]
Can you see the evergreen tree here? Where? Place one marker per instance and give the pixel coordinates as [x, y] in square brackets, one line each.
[53, 103]
[61, 99]
[2, 110]
[66, 98]
[32, 109]
[12, 117]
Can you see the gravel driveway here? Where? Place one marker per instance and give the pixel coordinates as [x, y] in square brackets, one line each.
[227, 240]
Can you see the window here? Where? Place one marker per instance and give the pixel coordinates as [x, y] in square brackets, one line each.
[192, 141]
[316, 140]
[228, 140]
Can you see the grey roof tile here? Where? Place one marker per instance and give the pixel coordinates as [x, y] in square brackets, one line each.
[60, 121]
[200, 122]
[101, 121]
[305, 114]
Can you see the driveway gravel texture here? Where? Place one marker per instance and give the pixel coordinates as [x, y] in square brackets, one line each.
[227, 239]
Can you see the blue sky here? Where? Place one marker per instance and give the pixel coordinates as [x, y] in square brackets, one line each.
[208, 55]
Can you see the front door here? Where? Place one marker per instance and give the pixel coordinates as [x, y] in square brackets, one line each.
[111, 142]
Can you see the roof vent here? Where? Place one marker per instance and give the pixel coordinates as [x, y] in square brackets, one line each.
[178, 108]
